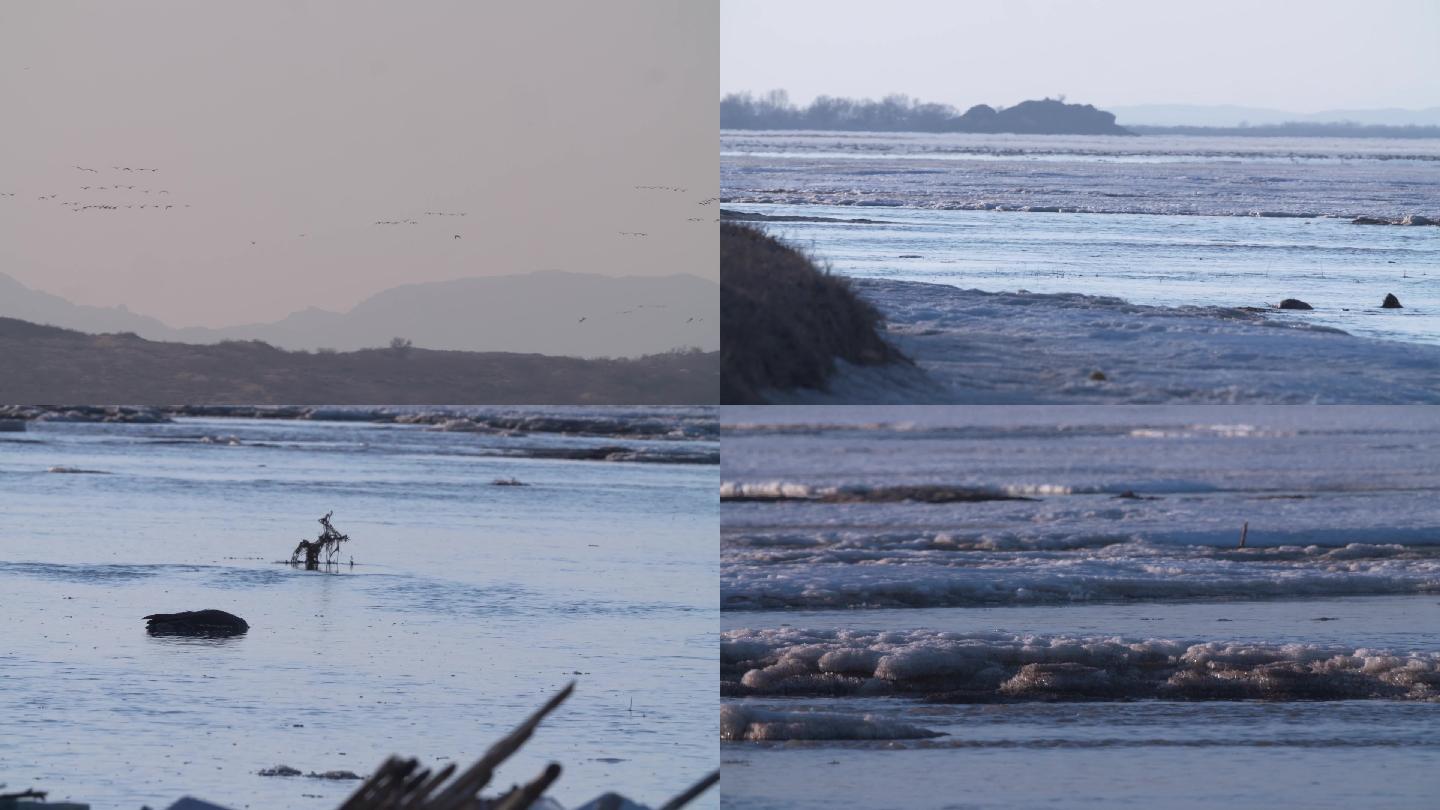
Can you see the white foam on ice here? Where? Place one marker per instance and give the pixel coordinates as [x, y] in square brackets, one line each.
[1015, 666]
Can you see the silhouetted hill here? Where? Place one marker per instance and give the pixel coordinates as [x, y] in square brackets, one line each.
[900, 113]
[19, 301]
[48, 365]
[541, 312]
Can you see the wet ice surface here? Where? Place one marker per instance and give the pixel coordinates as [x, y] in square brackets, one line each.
[1140, 755]
[1185, 175]
[467, 606]
[1156, 222]
[1344, 271]
[974, 347]
[998, 640]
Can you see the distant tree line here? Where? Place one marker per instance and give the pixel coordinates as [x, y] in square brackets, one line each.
[1339, 129]
[900, 113]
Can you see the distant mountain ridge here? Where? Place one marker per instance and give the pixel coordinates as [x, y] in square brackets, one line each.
[1230, 115]
[627, 316]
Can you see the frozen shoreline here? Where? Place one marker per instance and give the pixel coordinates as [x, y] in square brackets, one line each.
[976, 347]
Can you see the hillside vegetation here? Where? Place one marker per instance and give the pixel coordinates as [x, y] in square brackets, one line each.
[49, 365]
[786, 320]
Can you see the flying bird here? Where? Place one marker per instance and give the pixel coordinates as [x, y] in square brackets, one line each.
[582, 320]
[457, 236]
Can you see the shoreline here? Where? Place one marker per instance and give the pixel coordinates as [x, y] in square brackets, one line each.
[972, 347]
[1409, 220]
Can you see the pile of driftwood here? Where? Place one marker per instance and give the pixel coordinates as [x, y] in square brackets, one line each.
[402, 783]
[328, 542]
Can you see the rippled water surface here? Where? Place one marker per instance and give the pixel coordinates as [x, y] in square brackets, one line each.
[466, 606]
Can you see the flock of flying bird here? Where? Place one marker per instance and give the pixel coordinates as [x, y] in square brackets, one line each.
[673, 189]
[79, 205]
[678, 190]
[75, 205]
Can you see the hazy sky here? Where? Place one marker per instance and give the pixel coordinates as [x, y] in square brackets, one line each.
[275, 119]
[1297, 56]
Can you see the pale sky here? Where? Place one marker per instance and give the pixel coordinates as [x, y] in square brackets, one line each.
[1296, 56]
[318, 117]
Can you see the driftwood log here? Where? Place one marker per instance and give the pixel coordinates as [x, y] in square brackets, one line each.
[401, 784]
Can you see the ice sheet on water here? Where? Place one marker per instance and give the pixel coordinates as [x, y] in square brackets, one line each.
[981, 667]
[1298, 177]
[781, 491]
[937, 571]
[979, 347]
[754, 724]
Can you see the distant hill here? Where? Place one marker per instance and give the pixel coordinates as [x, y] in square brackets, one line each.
[49, 366]
[903, 114]
[19, 301]
[1229, 115]
[539, 312]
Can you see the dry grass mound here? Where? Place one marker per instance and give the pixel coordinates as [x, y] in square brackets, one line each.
[785, 320]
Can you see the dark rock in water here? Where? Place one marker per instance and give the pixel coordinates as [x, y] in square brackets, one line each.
[192, 803]
[286, 770]
[611, 801]
[281, 770]
[1391, 302]
[1098, 376]
[1370, 221]
[1294, 303]
[196, 623]
[335, 775]
[909, 256]
[1416, 219]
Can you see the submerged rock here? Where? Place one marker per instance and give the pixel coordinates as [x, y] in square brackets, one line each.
[1131, 495]
[1294, 303]
[192, 803]
[196, 623]
[1391, 302]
